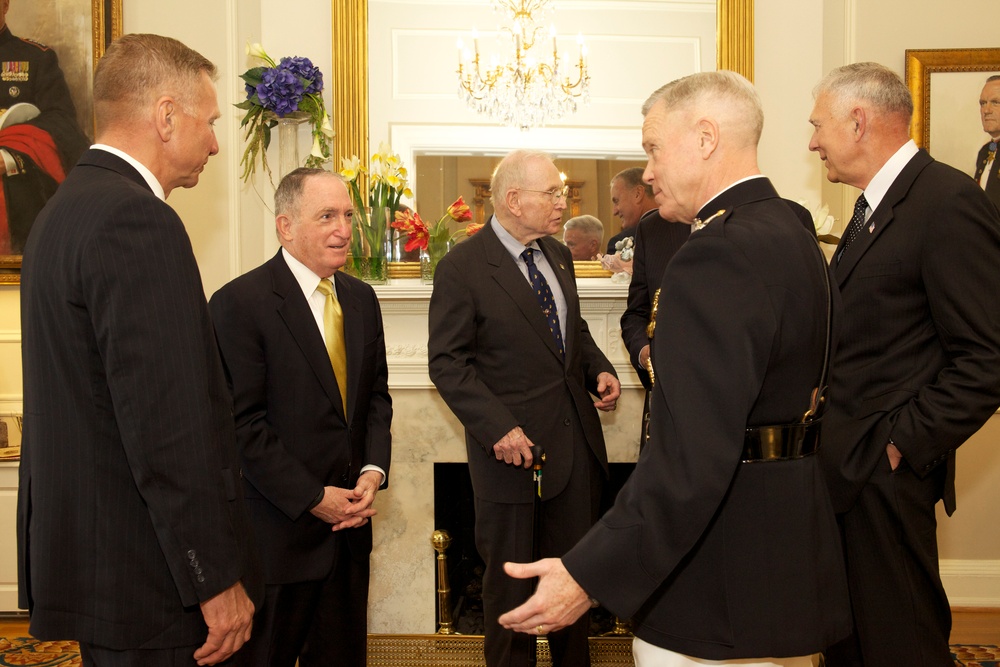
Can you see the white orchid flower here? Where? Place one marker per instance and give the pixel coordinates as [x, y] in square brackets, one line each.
[822, 220]
[256, 50]
[317, 150]
[326, 127]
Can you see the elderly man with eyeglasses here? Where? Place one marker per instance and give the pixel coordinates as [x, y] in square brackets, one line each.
[512, 357]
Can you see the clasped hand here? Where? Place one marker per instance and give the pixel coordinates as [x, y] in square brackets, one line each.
[349, 508]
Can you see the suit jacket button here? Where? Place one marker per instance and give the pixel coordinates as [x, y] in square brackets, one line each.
[194, 562]
[191, 554]
[201, 579]
[566, 422]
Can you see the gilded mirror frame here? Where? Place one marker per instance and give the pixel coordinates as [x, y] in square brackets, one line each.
[734, 51]
[106, 25]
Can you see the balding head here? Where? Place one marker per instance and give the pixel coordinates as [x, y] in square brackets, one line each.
[528, 195]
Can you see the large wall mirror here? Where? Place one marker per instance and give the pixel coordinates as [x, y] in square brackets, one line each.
[393, 80]
[78, 31]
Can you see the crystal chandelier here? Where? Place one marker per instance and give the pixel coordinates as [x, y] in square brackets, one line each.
[526, 88]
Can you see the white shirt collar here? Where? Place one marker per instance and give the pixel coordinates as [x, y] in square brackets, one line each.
[146, 174]
[513, 246]
[307, 280]
[881, 182]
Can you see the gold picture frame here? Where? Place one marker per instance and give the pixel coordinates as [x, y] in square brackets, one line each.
[922, 64]
[106, 25]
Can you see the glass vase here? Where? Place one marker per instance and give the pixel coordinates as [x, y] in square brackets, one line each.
[370, 245]
[430, 257]
[288, 142]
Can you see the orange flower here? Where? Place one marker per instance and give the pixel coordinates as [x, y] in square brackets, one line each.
[472, 228]
[415, 228]
[459, 211]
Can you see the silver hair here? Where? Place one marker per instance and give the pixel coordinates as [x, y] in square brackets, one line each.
[730, 92]
[289, 190]
[511, 173]
[867, 82]
[587, 224]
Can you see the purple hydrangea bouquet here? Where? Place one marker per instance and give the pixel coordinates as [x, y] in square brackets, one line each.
[291, 87]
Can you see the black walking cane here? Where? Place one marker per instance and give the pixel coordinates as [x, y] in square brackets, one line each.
[538, 456]
[538, 460]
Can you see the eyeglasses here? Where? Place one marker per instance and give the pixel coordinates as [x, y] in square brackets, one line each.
[555, 193]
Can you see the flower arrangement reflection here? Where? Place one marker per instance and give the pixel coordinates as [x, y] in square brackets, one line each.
[290, 87]
[375, 204]
[435, 240]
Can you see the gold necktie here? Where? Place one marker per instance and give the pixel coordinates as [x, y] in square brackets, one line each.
[333, 331]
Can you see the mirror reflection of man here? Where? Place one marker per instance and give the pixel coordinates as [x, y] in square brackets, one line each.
[35, 153]
[987, 166]
[631, 199]
[583, 235]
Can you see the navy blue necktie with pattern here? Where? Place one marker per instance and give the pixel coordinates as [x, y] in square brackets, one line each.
[855, 225]
[544, 295]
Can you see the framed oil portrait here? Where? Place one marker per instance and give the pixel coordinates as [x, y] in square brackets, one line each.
[78, 31]
[946, 85]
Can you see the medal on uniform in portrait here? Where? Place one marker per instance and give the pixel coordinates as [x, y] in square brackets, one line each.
[14, 70]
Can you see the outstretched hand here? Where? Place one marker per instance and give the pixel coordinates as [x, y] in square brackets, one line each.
[557, 603]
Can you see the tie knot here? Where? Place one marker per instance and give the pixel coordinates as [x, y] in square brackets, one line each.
[528, 256]
[325, 287]
[861, 205]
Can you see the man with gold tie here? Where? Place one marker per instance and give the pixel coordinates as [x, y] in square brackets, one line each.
[305, 352]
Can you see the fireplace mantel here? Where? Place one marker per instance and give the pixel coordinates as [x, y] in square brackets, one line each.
[424, 431]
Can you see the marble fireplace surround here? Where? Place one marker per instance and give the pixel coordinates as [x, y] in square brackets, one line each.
[424, 431]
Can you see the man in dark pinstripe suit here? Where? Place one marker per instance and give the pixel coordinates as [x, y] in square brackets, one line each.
[132, 534]
[915, 371]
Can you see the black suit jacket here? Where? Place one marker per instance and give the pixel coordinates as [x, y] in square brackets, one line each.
[917, 359]
[712, 557]
[993, 181]
[656, 241]
[496, 364]
[290, 422]
[129, 513]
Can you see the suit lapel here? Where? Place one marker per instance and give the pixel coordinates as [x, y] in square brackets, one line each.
[354, 337]
[881, 217]
[508, 275]
[298, 318]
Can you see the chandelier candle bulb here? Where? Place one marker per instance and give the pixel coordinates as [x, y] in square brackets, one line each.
[524, 87]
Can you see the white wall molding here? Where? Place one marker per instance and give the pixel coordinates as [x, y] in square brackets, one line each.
[972, 583]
